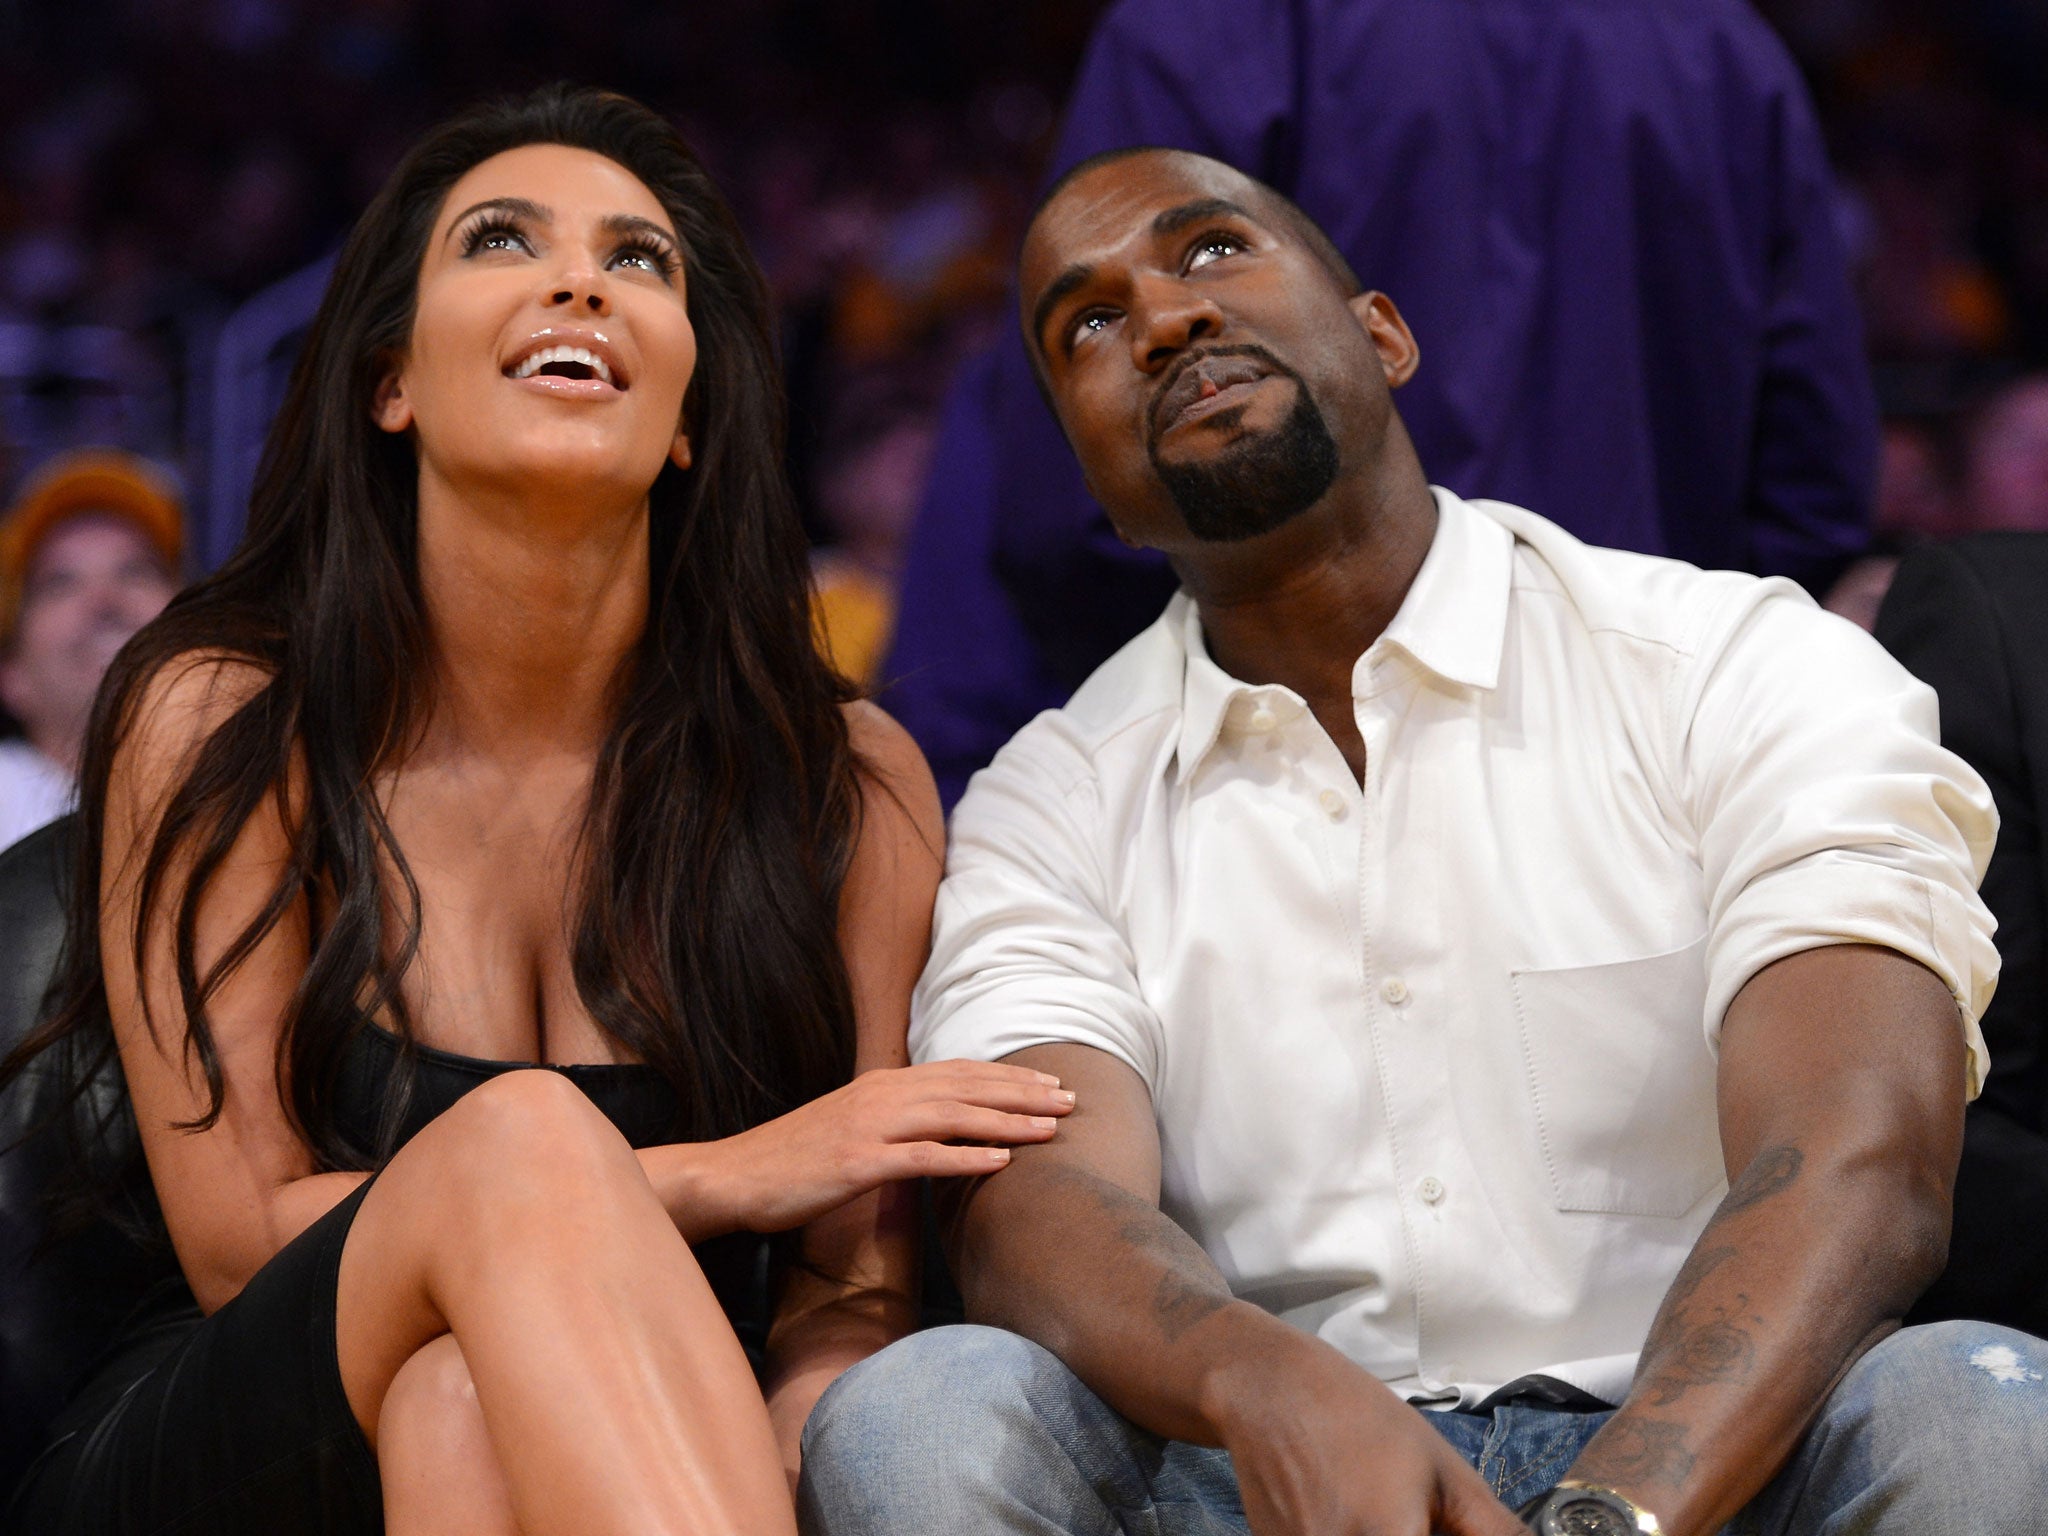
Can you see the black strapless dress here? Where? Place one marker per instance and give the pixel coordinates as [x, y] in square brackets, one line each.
[237, 1423]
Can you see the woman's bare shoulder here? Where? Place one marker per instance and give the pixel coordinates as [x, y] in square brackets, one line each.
[176, 709]
[194, 693]
[897, 791]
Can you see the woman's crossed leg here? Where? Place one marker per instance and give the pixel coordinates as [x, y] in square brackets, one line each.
[516, 1243]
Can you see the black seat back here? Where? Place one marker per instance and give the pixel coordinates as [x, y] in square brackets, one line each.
[60, 1299]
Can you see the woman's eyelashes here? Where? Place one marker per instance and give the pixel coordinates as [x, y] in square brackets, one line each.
[496, 232]
[647, 252]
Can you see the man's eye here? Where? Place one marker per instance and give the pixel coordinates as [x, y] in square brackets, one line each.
[1209, 247]
[1089, 321]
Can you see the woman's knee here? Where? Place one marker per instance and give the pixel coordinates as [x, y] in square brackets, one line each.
[531, 1137]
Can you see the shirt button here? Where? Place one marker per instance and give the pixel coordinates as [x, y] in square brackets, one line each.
[1394, 990]
[1262, 719]
[1431, 1189]
[1332, 802]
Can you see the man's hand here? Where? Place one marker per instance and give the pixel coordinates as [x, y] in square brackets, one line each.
[1068, 1247]
[1321, 1448]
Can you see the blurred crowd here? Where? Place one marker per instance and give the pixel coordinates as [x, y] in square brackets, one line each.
[1937, 116]
[166, 163]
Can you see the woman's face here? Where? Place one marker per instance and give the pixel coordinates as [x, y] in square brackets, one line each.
[550, 345]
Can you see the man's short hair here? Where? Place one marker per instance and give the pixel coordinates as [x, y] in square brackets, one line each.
[1298, 223]
[1307, 229]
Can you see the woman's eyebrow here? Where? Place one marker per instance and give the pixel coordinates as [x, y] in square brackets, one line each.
[524, 209]
[634, 224]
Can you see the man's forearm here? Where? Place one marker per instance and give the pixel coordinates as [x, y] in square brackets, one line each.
[1813, 1257]
[1106, 1281]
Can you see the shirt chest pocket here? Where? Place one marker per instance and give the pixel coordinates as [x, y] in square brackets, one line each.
[1622, 1082]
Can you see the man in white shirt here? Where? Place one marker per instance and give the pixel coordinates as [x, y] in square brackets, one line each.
[1497, 975]
[88, 555]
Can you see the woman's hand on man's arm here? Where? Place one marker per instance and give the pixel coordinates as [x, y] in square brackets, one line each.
[887, 1125]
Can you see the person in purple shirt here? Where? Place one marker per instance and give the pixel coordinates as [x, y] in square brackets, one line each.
[1610, 226]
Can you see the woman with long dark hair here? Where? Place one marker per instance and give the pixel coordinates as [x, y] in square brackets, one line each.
[502, 743]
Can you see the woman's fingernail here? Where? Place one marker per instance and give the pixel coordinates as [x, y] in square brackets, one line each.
[1048, 1079]
[1043, 1122]
[998, 1154]
[1065, 1097]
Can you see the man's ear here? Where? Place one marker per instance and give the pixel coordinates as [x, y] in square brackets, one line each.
[389, 407]
[1389, 334]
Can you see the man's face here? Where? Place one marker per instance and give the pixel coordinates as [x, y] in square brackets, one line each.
[1213, 378]
[91, 583]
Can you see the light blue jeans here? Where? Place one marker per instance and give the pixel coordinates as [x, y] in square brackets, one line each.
[961, 1431]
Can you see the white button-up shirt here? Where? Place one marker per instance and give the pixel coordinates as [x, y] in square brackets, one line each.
[1433, 1057]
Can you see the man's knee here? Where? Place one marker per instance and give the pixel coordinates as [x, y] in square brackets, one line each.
[946, 1429]
[1919, 1375]
[931, 1384]
[1947, 1416]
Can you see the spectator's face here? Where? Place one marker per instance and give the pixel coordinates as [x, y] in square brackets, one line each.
[538, 248]
[1210, 373]
[92, 582]
[1913, 496]
[2008, 469]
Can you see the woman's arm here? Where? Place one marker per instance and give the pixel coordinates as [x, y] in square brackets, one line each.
[234, 1194]
[869, 1245]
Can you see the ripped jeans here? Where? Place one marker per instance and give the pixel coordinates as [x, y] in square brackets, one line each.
[1940, 1429]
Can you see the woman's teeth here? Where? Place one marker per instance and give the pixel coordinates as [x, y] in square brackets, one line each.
[539, 360]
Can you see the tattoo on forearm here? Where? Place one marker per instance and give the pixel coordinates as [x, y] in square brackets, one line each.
[1190, 1289]
[1716, 1351]
[1770, 1171]
[1636, 1450]
[1701, 1263]
[1180, 1303]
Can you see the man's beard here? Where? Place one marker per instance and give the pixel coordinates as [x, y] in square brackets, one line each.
[1260, 481]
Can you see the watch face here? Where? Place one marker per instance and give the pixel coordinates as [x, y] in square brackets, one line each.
[1587, 1514]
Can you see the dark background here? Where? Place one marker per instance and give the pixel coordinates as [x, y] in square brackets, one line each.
[163, 162]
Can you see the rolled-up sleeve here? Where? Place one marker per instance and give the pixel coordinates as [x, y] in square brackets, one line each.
[1826, 809]
[1025, 948]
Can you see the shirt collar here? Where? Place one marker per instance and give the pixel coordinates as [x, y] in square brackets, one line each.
[1453, 623]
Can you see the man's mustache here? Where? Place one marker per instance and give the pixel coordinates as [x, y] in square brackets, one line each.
[1166, 404]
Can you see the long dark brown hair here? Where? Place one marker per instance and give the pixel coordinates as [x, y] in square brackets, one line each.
[725, 799]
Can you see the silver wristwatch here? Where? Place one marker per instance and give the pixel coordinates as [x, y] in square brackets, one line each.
[1585, 1509]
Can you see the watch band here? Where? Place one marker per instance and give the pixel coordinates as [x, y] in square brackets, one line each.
[1587, 1509]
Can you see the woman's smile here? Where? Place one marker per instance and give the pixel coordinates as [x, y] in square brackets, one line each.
[570, 362]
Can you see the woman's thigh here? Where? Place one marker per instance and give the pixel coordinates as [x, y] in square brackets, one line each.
[481, 1226]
